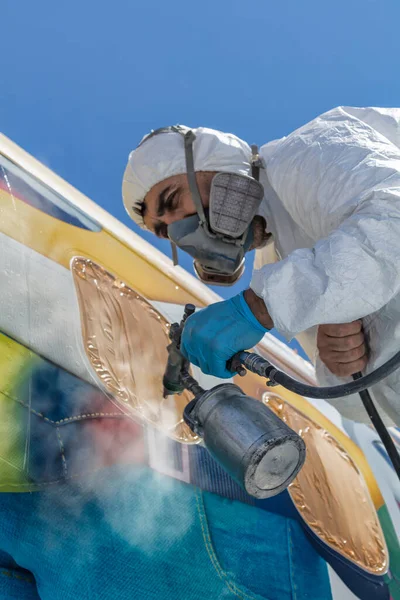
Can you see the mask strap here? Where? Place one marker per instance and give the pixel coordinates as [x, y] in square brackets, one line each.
[183, 131]
[189, 138]
[256, 162]
[171, 128]
[174, 251]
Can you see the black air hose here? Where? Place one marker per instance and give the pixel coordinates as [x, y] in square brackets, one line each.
[380, 427]
[262, 367]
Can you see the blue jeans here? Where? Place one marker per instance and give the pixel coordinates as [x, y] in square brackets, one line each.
[130, 533]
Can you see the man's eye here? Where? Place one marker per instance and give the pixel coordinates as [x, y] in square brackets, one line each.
[171, 202]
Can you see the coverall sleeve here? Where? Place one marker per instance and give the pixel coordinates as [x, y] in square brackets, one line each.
[339, 179]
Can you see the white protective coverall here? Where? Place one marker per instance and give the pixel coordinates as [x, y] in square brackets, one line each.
[332, 204]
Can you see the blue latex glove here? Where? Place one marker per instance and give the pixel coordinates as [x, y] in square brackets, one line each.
[214, 334]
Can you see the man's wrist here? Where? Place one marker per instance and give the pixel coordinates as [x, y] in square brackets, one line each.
[258, 308]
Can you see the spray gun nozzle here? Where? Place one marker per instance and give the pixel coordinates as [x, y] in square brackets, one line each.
[177, 364]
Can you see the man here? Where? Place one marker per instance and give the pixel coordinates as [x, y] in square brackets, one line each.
[328, 208]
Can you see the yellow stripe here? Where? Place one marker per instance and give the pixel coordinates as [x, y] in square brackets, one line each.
[60, 242]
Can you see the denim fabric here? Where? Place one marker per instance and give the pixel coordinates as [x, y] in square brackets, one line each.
[129, 533]
[16, 583]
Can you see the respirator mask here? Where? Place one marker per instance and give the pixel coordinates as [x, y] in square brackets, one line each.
[218, 237]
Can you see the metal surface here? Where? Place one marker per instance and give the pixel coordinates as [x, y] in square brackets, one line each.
[331, 495]
[116, 325]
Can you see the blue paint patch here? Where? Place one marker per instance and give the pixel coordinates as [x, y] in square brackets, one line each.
[25, 187]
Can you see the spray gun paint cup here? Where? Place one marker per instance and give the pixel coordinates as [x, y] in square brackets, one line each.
[250, 442]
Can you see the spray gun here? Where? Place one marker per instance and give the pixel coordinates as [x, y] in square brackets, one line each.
[176, 364]
[248, 440]
[253, 445]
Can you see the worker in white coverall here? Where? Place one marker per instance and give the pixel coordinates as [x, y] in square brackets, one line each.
[325, 223]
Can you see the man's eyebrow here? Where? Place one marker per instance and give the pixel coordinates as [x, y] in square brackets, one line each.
[161, 201]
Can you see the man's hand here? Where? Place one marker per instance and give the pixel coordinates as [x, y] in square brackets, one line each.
[214, 334]
[342, 348]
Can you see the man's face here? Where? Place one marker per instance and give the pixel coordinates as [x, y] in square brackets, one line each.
[170, 200]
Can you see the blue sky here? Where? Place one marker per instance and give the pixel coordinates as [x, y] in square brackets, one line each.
[83, 81]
